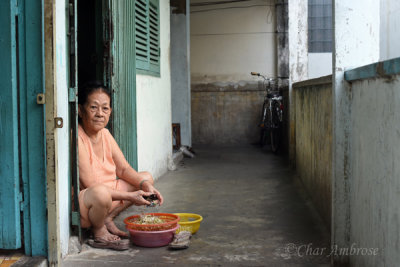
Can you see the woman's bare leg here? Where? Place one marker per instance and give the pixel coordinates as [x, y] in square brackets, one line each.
[109, 221]
[98, 200]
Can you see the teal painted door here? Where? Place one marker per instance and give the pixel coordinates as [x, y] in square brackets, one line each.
[10, 219]
[23, 180]
[123, 78]
[32, 128]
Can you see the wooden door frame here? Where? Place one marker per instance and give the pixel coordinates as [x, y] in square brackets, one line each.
[54, 251]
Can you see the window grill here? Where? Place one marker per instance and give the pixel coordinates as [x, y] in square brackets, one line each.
[320, 26]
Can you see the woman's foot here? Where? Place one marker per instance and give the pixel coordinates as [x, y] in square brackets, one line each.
[113, 229]
[104, 239]
[104, 234]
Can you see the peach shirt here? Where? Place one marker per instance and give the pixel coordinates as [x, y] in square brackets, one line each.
[91, 168]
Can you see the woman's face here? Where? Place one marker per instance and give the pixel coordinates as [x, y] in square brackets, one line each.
[95, 113]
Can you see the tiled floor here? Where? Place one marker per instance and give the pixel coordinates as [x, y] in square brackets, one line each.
[9, 260]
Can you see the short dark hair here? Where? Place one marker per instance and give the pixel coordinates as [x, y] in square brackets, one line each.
[90, 87]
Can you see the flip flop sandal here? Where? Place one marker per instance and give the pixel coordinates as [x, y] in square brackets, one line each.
[181, 240]
[122, 244]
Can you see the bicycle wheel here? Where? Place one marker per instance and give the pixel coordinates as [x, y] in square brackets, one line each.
[275, 140]
[263, 131]
[263, 137]
[276, 128]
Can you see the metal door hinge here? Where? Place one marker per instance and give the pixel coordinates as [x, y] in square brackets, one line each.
[58, 122]
[40, 99]
[72, 92]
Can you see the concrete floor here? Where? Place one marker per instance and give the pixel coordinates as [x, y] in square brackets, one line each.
[254, 215]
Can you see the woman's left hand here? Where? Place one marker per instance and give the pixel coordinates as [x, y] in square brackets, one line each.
[147, 187]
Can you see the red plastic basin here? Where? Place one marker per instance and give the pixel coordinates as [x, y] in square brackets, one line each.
[152, 239]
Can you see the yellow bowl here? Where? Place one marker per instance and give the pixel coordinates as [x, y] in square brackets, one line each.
[189, 222]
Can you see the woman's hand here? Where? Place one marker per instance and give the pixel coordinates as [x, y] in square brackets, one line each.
[137, 199]
[148, 187]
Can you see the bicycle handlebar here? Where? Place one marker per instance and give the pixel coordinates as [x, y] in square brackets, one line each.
[276, 77]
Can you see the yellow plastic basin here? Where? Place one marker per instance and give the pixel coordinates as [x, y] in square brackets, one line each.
[189, 222]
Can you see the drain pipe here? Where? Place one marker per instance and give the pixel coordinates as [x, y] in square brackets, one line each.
[282, 62]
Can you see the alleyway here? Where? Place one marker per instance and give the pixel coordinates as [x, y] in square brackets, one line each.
[251, 208]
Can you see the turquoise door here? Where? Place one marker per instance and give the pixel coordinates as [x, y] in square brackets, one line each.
[22, 148]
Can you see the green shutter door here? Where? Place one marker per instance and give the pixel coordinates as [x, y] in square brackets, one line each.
[123, 78]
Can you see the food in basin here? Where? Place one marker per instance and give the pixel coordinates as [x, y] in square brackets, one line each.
[152, 229]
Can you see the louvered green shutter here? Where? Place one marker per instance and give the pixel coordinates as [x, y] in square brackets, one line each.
[154, 34]
[147, 34]
[141, 34]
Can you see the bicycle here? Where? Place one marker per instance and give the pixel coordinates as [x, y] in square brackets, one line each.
[271, 114]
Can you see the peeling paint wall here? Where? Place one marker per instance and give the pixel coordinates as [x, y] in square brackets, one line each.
[228, 41]
[282, 38]
[313, 127]
[298, 40]
[374, 194]
[298, 60]
[356, 43]
[226, 115]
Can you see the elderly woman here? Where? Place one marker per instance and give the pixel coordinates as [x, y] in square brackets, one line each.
[102, 195]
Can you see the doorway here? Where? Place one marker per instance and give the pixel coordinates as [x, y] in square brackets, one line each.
[87, 61]
[115, 68]
[90, 41]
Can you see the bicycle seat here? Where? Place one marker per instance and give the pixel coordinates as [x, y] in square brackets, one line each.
[271, 95]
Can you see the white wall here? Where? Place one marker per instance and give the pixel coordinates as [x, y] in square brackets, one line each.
[227, 44]
[319, 64]
[154, 133]
[62, 134]
[390, 29]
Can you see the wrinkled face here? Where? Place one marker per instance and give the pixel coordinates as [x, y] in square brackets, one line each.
[95, 113]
